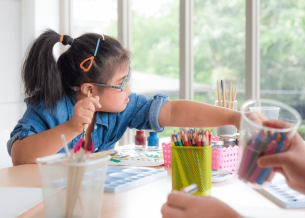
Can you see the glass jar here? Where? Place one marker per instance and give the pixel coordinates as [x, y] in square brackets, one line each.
[228, 140]
[217, 144]
[153, 140]
[140, 139]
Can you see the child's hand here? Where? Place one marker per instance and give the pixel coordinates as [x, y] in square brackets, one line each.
[181, 205]
[290, 163]
[83, 112]
[253, 116]
[256, 117]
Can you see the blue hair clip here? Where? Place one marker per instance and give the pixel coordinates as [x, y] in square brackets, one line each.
[72, 41]
[98, 43]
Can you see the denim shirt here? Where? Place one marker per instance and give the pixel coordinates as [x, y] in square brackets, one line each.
[141, 113]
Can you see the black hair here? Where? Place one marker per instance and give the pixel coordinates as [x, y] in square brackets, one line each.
[48, 81]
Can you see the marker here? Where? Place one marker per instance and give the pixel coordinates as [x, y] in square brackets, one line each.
[258, 170]
[191, 189]
[266, 171]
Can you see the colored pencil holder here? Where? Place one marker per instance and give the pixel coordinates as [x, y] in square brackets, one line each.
[192, 165]
[167, 154]
[257, 140]
[72, 189]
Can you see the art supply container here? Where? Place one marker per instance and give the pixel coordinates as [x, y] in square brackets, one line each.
[153, 140]
[191, 165]
[225, 158]
[272, 113]
[257, 140]
[140, 139]
[72, 189]
[228, 104]
[229, 129]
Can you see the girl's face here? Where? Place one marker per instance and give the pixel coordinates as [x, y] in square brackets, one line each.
[114, 100]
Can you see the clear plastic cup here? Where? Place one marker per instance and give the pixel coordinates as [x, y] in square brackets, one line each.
[229, 129]
[72, 189]
[257, 140]
[270, 112]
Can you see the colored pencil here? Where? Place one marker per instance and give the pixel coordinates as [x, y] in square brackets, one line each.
[218, 94]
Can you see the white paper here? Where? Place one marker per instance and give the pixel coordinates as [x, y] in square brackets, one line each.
[15, 201]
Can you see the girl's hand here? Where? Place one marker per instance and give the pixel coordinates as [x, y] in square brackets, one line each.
[83, 113]
[290, 163]
[181, 205]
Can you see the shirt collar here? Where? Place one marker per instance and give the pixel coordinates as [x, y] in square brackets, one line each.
[102, 118]
[70, 105]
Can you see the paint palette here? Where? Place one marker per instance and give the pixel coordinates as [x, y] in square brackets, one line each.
[122, 178]
[282, 194]
[137, 157]
[118, 178]
[221, 175]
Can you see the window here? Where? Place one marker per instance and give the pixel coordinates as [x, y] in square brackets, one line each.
[282, 42]
[219, 47]
[98, 16]
[155, 49]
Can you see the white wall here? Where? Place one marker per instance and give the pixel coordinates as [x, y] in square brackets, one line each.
[47, 16]
[10, 63]
[21, 21]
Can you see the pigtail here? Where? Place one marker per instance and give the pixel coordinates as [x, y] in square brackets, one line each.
[48, 81]
[41, 77]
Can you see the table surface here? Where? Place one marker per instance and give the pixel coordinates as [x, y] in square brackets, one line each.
[147, 200]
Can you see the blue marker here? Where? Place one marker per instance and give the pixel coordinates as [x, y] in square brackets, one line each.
[265, 172]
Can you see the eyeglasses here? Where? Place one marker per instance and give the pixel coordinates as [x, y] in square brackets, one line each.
[122, 86]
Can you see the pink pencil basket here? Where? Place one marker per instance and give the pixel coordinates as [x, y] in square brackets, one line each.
[222, 159]
[167, 154]
[225, 158]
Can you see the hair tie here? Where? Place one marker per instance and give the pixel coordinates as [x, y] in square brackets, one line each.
[61, 38]
[72, 41]
[91, 58]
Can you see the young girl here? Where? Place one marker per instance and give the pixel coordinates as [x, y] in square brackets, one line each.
[98, 66]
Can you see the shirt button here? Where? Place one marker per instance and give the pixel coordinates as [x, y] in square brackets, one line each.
[95, 127]
[96, 149]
